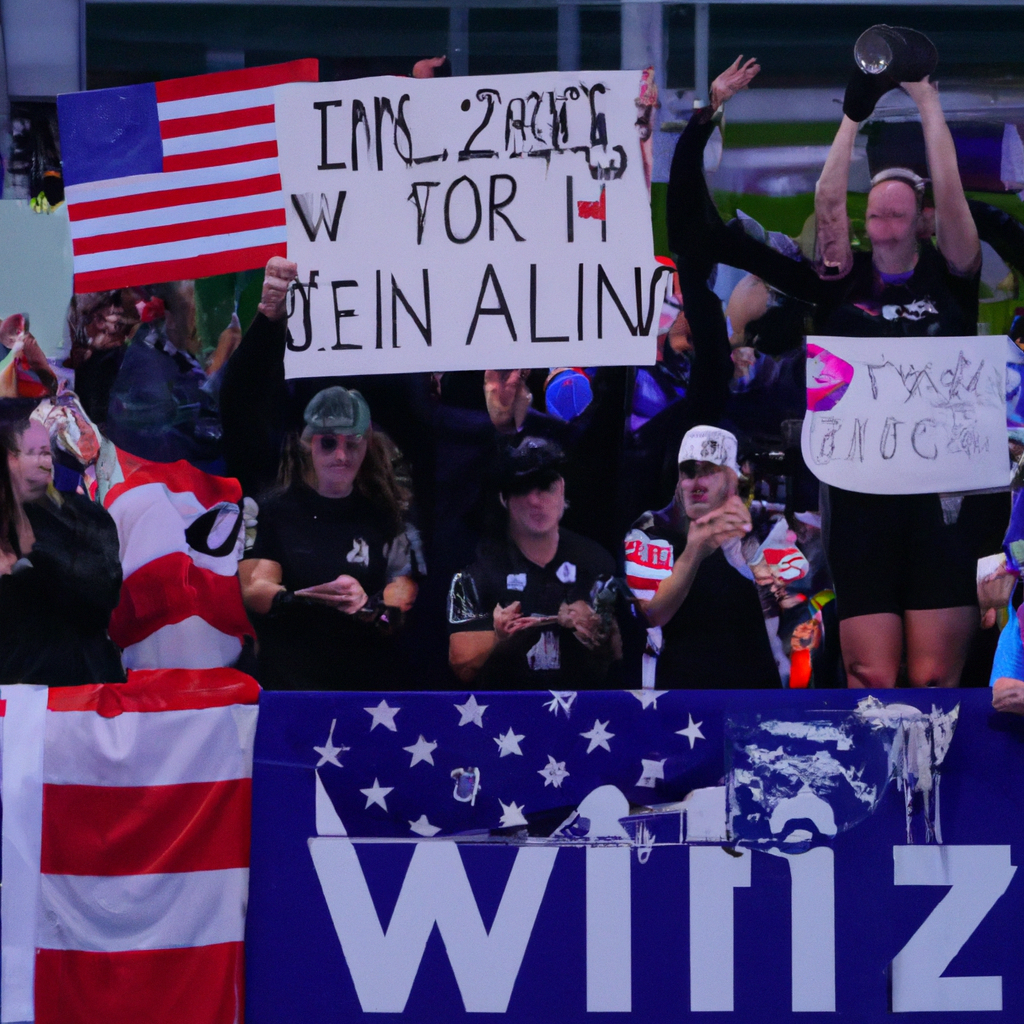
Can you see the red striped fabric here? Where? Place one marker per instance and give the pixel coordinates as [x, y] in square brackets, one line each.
[198, 985]
[146, 830]
[164, 689]
[171, 589]
[175, 197]
[175, 128]
[306, 70]
[179, 476]
[178, 270]
[219, 157]
[178, 232]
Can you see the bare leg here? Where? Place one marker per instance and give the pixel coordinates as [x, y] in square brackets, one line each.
[938, 640]
[872, 645]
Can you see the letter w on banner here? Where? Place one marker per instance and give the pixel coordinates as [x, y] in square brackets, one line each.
[177, 179]
[126, 824]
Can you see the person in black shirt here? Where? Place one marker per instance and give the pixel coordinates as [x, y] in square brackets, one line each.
[60, 574]
[903, 565]
[522, 616]
[330, 575]
[684, 566]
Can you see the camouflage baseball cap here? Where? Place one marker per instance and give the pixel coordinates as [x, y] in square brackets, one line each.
[336, 411]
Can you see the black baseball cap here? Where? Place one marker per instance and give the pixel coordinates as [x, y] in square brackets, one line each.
[535, 462]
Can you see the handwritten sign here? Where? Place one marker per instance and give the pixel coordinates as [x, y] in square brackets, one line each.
[906, 415]
[467, 223]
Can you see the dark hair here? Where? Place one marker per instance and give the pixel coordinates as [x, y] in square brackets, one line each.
[10, 444]
[376, 480]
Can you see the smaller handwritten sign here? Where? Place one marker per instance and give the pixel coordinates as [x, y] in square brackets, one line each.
[906, 415]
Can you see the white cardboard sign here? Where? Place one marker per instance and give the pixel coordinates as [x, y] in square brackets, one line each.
[467, 223]
[907, 415]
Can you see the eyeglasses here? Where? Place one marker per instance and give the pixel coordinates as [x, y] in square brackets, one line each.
[328, 443]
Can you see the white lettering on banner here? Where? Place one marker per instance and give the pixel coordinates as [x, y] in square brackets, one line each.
[384, 962]
[813, 909]
[714, 873]
[609, 930]
[978, 875]
[906, 415]
[436, 889]
[464, 223]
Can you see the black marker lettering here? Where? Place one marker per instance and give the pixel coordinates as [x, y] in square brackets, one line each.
[340, 314]
[380, 326]
[644, 322]
[500, 310]
[381, 107]
[579, 304]
[423, 326]
[325, 164]
[602, 284]
[467, 152]
[421, 207]
[533, 310]
[303, 204]
[570, 211]
[307, 323]
[447, 210]
[496, 208]
[359, 118]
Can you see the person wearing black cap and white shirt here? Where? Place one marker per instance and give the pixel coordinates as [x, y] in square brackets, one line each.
[330, 572]
[522, 616]
[684, 565]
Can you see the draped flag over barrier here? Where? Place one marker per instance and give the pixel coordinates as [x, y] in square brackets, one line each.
[181, 532]
[126, 822]
[769, 857]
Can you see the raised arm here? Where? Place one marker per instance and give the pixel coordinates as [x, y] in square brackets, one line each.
[833, 223]
[955, 231]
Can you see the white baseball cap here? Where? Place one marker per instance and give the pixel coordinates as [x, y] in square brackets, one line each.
[709, 444]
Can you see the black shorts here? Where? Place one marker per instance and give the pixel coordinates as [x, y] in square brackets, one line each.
[895, 553]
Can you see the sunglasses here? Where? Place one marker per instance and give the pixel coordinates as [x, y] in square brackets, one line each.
[328, 443]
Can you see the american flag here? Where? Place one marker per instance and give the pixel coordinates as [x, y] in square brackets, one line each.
[177, 179]
[126, 848]
[181, 533]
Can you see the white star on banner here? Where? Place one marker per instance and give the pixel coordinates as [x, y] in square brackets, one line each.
[598, 736]
[652, 770]
[509, 743]
[561, 699]
[422, 827]
[554, 773]
[383, 715]
[692, 731]
[329, 752]
[648, 698]
[421, 750]
[471, 712]
[512, 814]
[375, 795]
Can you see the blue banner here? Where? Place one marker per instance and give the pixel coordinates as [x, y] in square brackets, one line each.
[767, 857]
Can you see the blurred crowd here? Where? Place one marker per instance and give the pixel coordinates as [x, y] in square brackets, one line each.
[169, 504]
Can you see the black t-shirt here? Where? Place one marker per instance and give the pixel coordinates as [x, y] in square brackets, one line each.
[933, 302]
[309, 646]
[547, 658]
[55, 613]
[717, 639]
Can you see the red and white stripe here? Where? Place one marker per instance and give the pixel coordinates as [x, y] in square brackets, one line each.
[141, 828]
[179, 608]
[648, 562]
[218, 204]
